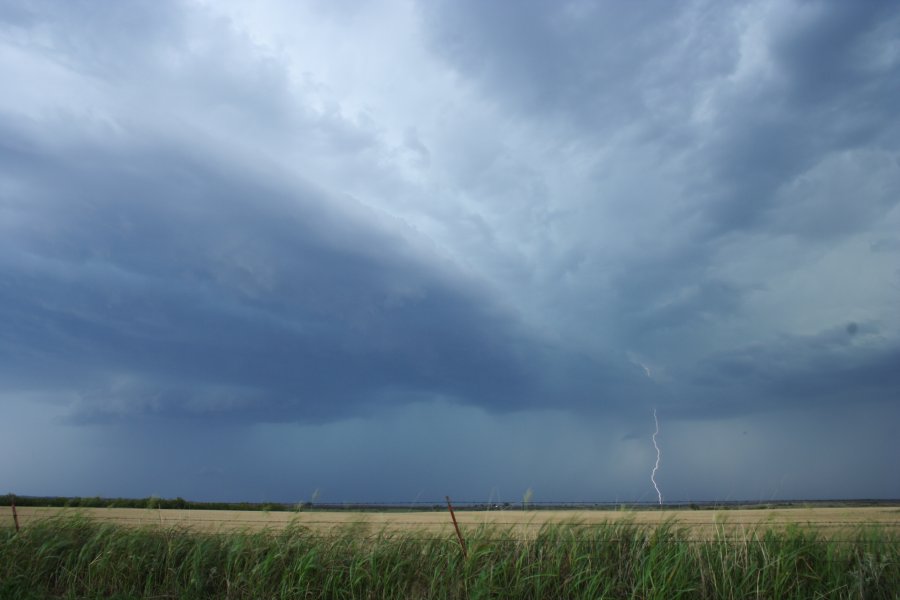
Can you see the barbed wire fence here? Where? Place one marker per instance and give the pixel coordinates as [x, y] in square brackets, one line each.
[376, 520]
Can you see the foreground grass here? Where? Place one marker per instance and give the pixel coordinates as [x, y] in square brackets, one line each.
[79, 558]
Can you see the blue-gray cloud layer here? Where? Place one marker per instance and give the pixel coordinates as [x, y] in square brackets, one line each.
[354, 218]
[159, 283]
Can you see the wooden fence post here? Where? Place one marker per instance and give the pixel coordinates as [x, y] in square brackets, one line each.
[462, 544]
[12, 502]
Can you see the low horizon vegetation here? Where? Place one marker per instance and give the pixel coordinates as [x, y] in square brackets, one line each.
[527, 503]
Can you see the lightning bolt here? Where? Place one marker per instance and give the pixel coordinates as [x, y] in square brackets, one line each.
[656, 467]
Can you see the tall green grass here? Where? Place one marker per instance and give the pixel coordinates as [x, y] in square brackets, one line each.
[79, 558]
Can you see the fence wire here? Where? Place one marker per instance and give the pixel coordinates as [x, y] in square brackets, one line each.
[379, 525]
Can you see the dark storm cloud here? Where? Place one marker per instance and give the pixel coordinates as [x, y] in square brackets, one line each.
[829, 90]
[828, 84]
[758, 120]
[657, 297]
[186, 284]
[572, 60]
[158, 283]
[183, 281]
[335, 239]
[849, 364]
[886, 245]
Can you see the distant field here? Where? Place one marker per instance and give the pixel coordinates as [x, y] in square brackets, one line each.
[701, 523]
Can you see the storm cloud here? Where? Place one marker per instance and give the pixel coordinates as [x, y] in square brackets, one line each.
[389, 228]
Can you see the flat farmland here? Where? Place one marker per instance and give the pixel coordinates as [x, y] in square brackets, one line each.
[700, 524]
[815, 552]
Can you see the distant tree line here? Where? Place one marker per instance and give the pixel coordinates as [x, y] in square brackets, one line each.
[151, 502]
[181, 503]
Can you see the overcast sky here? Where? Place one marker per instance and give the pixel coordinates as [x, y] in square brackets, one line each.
[395, 250]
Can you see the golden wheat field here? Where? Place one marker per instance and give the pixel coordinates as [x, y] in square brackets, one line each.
[702, 524]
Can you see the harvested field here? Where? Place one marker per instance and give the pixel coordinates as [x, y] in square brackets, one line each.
[702, 524]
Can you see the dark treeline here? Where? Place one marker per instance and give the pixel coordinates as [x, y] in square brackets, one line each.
[151, 502]
[181, 503]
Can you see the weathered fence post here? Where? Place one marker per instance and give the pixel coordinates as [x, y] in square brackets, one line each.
[462, 543]
[12, 503]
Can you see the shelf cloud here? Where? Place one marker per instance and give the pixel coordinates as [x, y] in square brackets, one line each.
[374, 225]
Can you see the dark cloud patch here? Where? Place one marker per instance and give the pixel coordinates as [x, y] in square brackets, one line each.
[886, 245]
[671, 295]
[157, 283]
[684, 82]
[570, 60]
[851, 364]
[830, 50]
[828, 88]
[731, 122]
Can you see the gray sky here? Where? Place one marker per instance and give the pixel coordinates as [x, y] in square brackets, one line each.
[398, 249]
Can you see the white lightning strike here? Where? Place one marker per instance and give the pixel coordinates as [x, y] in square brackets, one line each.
[656, 467]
